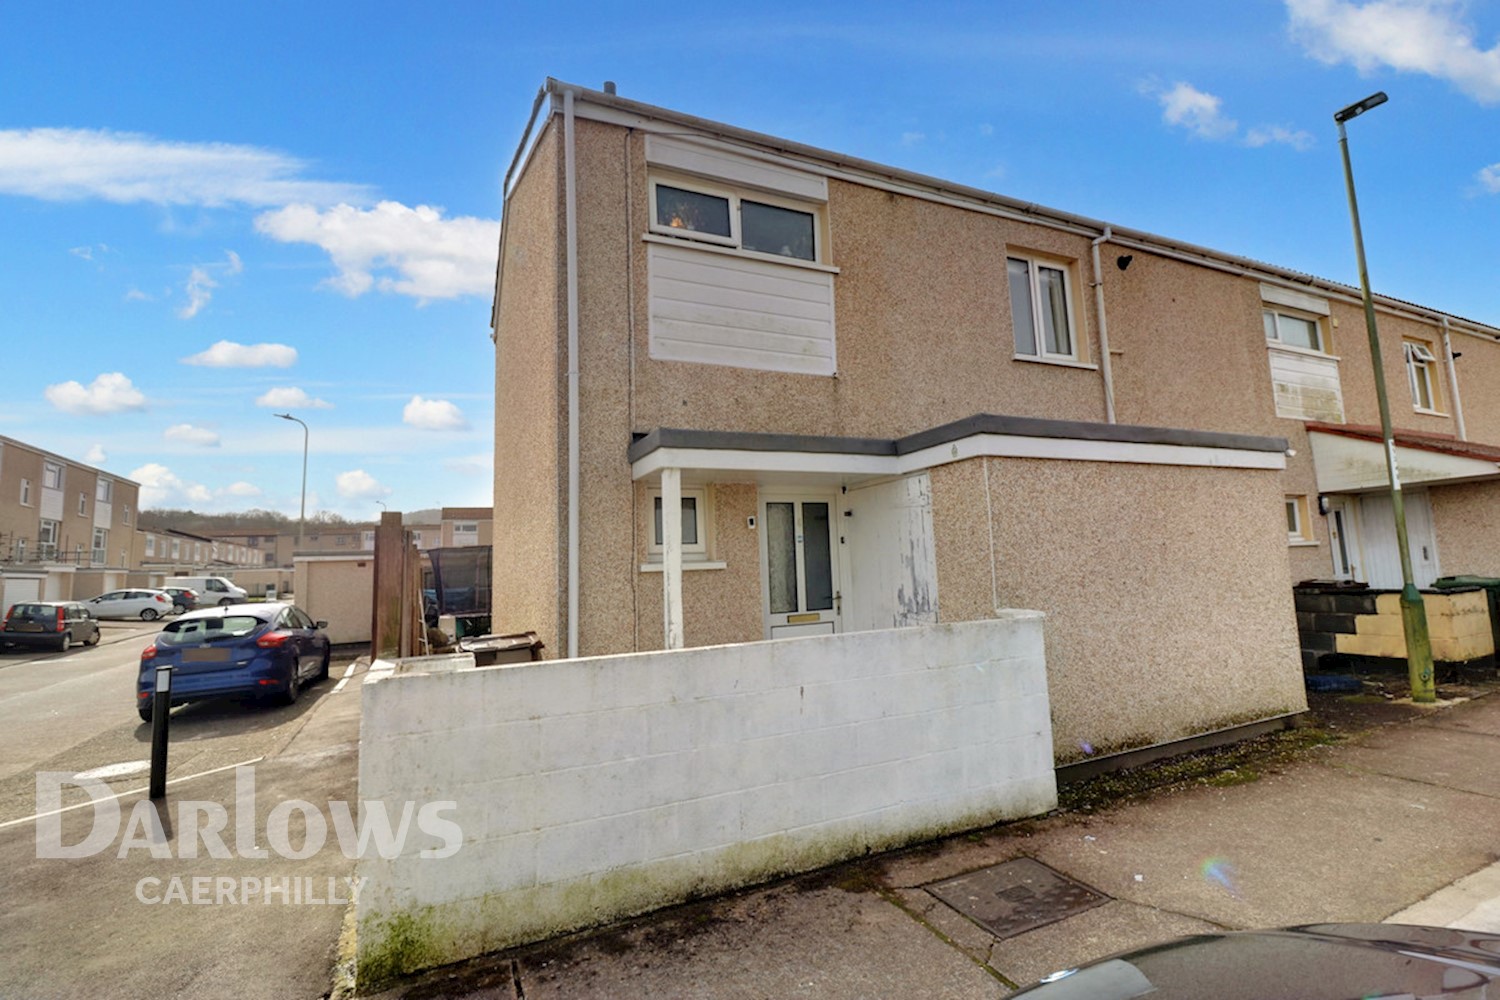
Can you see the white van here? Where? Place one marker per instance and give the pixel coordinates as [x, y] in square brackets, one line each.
[211, 589]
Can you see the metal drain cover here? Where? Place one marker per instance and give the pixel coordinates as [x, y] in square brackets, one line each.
[1015, 897]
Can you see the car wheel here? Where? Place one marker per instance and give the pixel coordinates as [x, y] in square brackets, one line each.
[148, 614]
[225, 602]
[144, 711]
[94, 641]
[323, 668]
[180, 609]
[293, 688]
[65, 642]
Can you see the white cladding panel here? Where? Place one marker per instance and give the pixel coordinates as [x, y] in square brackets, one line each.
[51, 507]
[718, 163]
[103, 514]
[1307, 385]
[1378, 537]
[892, 559]
[724, 309]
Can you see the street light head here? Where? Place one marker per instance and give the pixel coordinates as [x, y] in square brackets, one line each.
[1375, 100]
[284, 416]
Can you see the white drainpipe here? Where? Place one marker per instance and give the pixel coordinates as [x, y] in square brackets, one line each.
[1458, 403]
[570, 197]
[1105, 373]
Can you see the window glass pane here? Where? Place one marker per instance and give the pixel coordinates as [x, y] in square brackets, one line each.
[1292, 527]
[1298, 332]
[700, 213]
[815, 550]
[689, 521]
[1268, 319]
[1059, 339]
[1020, 306]
[781, 557]
[771, 229]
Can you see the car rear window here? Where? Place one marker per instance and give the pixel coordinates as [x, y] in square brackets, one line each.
[34, 612]
[216, 628]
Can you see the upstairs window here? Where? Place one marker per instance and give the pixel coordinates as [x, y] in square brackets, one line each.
[1041, 309]
[1420, 363]
[1293, 330]
[727, 217]
[52, 476]
[104, 492]
[83, 505]
[25, 493]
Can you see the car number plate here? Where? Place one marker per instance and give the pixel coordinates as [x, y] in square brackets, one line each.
[205, 655]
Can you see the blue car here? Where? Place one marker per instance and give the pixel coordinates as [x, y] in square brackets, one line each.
[267, 650]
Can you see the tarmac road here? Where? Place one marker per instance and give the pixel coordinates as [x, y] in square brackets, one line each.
[128, 919]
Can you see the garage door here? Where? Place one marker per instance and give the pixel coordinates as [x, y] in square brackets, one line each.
[18, 589]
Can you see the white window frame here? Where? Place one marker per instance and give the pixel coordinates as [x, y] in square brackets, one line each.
[25, 493]
[151, 546]
[104, 491]
[101, 545]
[465, 528]
[696, 552]
[1033, 262]
[1274, 336]
[1299, 522]
[125, 514]
[735, 196]
[1421, 367]
[83, 504]
[52, 476]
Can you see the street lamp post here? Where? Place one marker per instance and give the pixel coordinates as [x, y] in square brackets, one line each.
[1413, 611]
[302, 511]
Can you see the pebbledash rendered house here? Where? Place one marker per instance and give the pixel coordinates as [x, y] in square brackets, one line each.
[748, 389]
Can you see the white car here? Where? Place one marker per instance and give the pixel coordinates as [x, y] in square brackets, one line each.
[147, 605]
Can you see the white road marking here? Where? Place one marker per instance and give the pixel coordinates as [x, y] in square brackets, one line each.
[344, 679]
[130, 791]
[115, 770]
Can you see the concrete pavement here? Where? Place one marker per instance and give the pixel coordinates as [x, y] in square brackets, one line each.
[1400, 823]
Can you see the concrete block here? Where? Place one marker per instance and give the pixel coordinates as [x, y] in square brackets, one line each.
[1333, 623]
[1379, 625]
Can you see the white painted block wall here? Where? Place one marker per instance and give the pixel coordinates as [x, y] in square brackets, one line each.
[589, 790]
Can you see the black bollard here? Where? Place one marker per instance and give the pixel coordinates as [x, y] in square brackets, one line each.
[161, 706]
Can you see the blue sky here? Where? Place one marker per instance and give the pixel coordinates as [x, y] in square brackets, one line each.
[210, 214]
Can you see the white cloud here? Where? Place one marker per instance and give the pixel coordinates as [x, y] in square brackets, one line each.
[111, 392]
[1410, 36]
[431, 257]
[96, 455]
[198, 292]
[136, 295]
[240, 489]
[291, 398]
[188, 434]
[87, 252]
[913, 138]
[357, 484]
[1265, 135]
[58, 164]
[228, 354]
[1490, 178]
[1197, 111]
[161, 487]
[200, 283]
[434, 415]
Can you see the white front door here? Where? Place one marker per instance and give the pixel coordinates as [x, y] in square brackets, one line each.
[1343, 538]
[799, 565]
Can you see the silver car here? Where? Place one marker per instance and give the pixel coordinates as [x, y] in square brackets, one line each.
[147, 605]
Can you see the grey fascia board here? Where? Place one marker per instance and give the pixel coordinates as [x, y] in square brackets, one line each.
[983, 423]
[674, 437]
[1080, 430]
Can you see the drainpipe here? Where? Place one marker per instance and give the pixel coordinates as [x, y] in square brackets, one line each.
[1458, 403]
[570, 198]
[1105, 372]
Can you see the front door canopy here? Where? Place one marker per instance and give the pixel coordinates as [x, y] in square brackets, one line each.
[1352, 460]
[715, 455]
